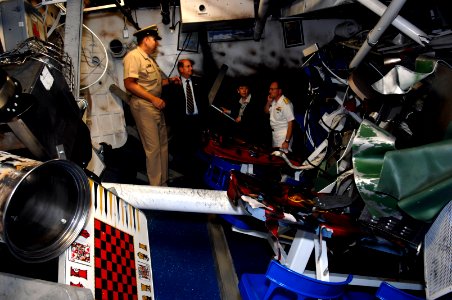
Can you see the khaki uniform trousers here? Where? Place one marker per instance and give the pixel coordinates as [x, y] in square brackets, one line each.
[151, 126]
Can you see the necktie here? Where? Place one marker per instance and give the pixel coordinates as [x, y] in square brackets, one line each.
[190, 105]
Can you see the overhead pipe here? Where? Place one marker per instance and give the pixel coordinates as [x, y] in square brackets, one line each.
[125, 10]
[173, 17]
[262, 15]
[399, 22]
[73, 38]
[374, 35]
[165, 11]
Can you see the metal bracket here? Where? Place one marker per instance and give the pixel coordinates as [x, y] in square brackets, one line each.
[60, 151]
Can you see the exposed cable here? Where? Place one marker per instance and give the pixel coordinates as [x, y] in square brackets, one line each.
[106, 59]
[184, 44]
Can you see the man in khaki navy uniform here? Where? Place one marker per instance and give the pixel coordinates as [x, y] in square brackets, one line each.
[281, 117]
[143, 78]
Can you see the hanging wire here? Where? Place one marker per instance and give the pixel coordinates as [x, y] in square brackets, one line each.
[341, 80]
[106, 60]
[184, 45]
[307, 125]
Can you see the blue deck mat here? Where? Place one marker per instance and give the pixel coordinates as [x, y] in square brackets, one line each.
[182, 260]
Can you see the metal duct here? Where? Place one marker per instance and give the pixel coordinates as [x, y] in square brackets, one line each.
[43, 206]
[374, 35]
[165, 11]
[262, 14]
[117, 48]
[43, 113]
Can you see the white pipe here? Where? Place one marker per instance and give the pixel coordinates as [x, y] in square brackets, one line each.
[175, 199]
[399, 22]
[222, 112]
[372, 38]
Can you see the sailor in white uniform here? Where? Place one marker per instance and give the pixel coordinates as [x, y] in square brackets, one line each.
[281, 117]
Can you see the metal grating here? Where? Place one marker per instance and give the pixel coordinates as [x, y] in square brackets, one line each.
[438, 255]
[47, 53]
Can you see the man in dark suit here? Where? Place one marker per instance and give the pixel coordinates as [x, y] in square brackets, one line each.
[187, 112]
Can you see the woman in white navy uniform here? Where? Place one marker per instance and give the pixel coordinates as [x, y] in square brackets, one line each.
[281, 117]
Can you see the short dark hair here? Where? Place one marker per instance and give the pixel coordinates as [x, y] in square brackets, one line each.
[279, 83]
[140, 39]
[180, 63]
[242, 82]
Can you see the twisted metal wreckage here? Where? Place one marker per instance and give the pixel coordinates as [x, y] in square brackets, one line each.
[377, 176]
[388, 147]
[381, 168]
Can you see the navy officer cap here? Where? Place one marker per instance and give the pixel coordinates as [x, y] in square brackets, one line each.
[150, 30]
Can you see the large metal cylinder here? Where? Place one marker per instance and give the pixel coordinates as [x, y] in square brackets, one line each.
[43, 206]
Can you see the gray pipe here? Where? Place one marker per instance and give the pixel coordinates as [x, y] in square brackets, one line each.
[399, 22]
[262, 14]
[374, 35]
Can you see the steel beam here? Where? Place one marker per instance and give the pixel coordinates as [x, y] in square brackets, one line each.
[73, 38]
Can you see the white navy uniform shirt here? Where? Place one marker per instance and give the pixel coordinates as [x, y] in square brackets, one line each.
[281, 113]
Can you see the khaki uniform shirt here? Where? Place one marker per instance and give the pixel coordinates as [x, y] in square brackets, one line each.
[137, 64]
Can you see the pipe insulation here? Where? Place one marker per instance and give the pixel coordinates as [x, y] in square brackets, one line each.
[175, 199]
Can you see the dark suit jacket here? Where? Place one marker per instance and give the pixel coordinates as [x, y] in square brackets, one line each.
[186, 131]
[254, 111]
[176, 102]
[253, 121]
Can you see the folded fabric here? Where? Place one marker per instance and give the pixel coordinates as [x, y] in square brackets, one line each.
[399, 80]
[419, 178]
[369, 147]
[416, 181]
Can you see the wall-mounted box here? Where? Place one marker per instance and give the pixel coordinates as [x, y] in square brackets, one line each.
[211, 14]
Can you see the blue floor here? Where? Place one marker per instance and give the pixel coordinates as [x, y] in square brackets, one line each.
[183, 264]
[249, 254]
[182, 260]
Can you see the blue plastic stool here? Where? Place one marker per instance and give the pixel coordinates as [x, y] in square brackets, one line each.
[282, 283]
[389, 292]
[217, 177]
[218, 174]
